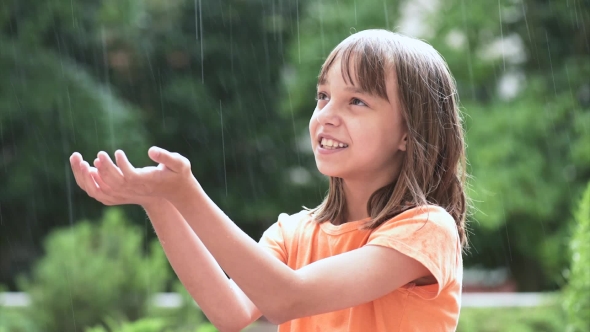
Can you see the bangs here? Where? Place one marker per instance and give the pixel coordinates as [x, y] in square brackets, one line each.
[361, 64]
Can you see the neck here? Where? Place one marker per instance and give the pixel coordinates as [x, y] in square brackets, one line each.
[359, 188]
[358, 192]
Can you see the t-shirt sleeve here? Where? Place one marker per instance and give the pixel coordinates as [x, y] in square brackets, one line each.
[429, 237]
[274, 241]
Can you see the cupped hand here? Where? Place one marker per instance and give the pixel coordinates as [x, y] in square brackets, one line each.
[89, 180]
[168, 180]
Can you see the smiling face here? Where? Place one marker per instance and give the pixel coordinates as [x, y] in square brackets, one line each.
[356, 134]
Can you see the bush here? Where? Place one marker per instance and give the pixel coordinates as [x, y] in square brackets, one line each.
[149, 325]
[142, 325]
[91, 271]
[13, 320]
[577, 294]
[546, 318]
[186, 317]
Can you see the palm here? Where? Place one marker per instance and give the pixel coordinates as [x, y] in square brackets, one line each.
[122, 183]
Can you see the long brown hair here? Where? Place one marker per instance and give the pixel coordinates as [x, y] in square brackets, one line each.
[433, 170]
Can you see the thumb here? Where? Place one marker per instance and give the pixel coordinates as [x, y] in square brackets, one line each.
[165, 157]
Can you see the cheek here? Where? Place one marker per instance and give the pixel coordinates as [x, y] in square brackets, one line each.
[313, 123]
[375, 143]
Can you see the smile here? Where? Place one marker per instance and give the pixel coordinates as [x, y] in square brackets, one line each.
[332, 144]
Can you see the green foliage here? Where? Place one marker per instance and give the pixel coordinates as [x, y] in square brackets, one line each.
[49, 108]
[150, 325]
[199, 78]
[577, 294]
[528, 319]
[527, 149]
[183, 318]
[141, 325]
[91, 271]
[14, 320]
[187, 317]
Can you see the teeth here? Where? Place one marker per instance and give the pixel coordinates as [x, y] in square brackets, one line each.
[329, 143]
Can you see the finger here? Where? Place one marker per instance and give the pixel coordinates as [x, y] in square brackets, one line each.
[101, 195]
[174, 161]
[90, 186]
[126, 168]
[75, 160]
[104, 192]
[104, 187]
[108, 171]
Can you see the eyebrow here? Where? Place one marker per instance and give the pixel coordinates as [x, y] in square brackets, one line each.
[349, 88]
[357, 90]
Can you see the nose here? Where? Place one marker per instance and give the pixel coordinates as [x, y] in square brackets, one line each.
[328, 115]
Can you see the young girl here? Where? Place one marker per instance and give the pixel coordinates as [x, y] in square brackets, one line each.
[382, 252]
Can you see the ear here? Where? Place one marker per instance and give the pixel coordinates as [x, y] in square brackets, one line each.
[403, 143]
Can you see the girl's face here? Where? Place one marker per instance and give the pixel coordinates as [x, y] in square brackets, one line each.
[356, 135]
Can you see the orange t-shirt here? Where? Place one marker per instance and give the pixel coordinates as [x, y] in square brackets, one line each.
[428, 234]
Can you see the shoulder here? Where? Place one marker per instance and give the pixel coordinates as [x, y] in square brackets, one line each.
[432, 213]
[290, 223]
[422, 220]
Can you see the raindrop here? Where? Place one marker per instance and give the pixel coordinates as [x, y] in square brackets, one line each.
[322, 27]
[469, 65]
[223, 146]
[551, 64]
[108, 86]
[386, 14]
[231, 41]
[298, 39]
[199, 33]
[355, 17]
[501, 34]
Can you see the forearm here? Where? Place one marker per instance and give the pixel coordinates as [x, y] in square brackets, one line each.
[269, 283]
[225, 305]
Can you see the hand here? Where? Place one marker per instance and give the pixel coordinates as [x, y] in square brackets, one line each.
[89, 180]
[169, 180]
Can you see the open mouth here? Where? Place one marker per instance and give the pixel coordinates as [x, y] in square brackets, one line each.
[331, 144]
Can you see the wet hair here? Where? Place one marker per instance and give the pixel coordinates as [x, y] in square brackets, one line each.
[433, 170]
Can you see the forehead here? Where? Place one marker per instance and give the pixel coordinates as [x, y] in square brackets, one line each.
[363, 63]
[359, 77]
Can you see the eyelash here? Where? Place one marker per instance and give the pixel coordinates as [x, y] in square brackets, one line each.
[321, 95]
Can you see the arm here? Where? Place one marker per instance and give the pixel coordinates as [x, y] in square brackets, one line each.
[278, 291]
[222, 301]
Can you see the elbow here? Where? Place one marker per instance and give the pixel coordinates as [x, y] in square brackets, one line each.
[232, 323]
[281, 313]
[231, 326]
[289, 305]
[277, 318]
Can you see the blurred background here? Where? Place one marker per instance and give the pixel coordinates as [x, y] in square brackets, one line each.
[230, 84]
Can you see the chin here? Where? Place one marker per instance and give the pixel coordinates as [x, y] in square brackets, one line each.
[329, 171]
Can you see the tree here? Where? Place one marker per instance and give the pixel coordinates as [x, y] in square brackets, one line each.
[526, 141]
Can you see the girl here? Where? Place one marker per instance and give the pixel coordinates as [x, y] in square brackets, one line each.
[383, 250]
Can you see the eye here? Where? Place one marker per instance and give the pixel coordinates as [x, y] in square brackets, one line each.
[321, 96]
[358, 102]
